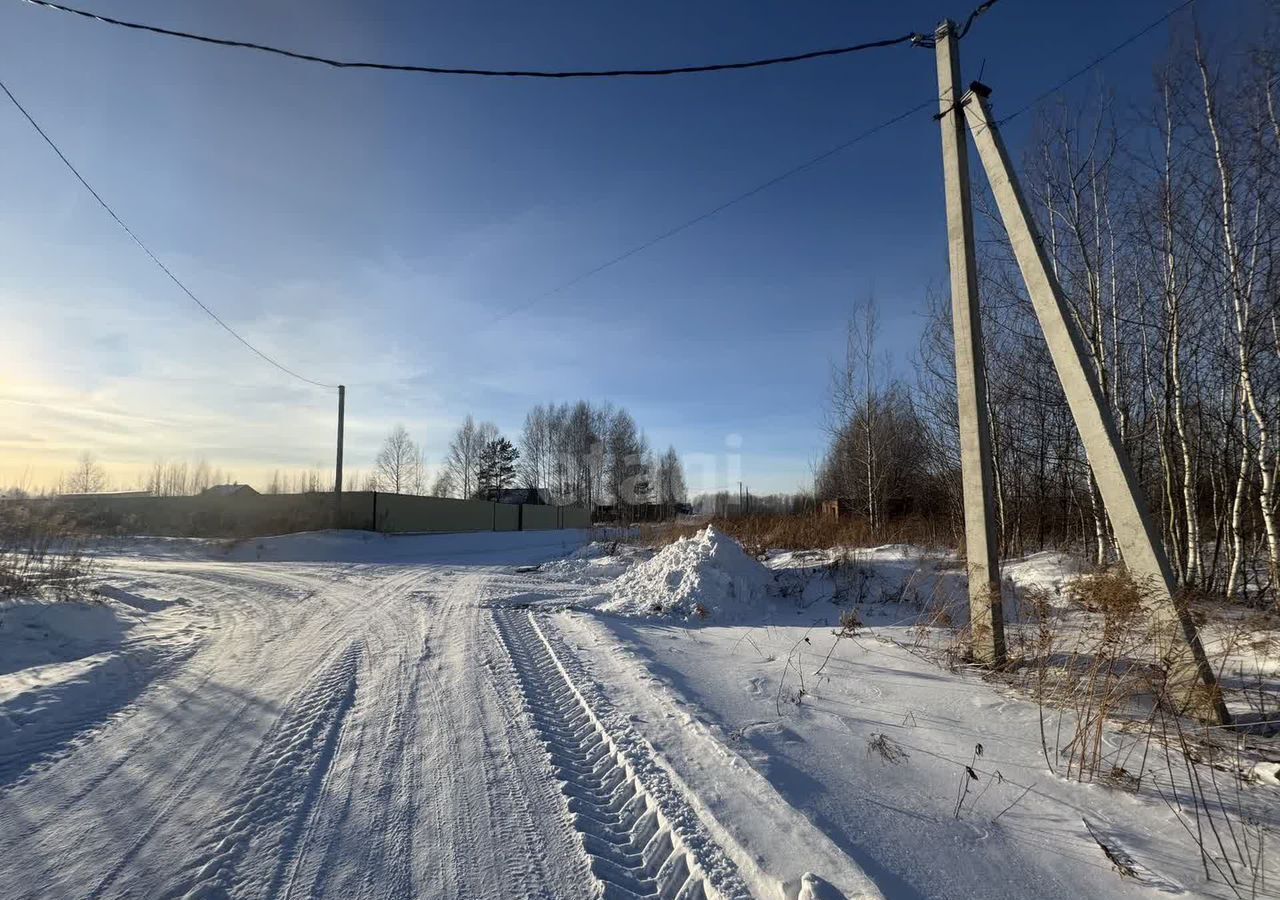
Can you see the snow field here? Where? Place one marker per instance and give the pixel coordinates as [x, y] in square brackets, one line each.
[341, 728]
[352, 716]
[774, 688]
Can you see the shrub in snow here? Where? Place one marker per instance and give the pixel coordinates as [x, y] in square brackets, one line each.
[707, 576]
[40, 554]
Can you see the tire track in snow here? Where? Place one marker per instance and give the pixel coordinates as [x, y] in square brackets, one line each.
[373, 811]
[227, 629]
[491, 820]
[250, 846]
[465, 770]
[177, 798]
[641, 840]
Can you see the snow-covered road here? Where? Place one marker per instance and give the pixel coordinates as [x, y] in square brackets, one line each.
[341, 729]
[350, 715]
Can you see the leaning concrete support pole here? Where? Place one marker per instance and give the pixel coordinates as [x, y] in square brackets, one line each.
[1191, 681]
[986, 614]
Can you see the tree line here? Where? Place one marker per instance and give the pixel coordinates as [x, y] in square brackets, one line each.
[572, 454]
[1161, 223]
[164, 478]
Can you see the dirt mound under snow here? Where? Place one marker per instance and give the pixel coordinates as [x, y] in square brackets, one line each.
[707, 576]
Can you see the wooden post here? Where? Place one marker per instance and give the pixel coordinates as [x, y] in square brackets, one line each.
[1190, 679]
[986, 612]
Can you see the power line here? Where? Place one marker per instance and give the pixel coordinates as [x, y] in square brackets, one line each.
[702, 217]
[831, 152]
[908, 38]
[929, 42]
[1096, 62]
[145, 249]
[492, 73]
[978, 11]
[913, 38]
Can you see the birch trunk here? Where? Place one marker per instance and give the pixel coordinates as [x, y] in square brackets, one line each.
[1240, 286]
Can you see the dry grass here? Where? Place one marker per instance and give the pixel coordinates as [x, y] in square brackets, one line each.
[1115, 595]
[887, 749]
[1087, 664]
[1106, 715]
[40, 553]
[803, 532]
[1087, 657]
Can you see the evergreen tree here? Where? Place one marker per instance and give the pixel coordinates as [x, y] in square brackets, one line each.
[497, 468]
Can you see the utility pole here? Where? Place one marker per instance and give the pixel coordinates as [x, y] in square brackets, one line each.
[986, 612]
[342, 409]
[1190, 678]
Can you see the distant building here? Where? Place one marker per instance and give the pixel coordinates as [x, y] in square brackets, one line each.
[838, 508]
[532, 496]
[229, 490]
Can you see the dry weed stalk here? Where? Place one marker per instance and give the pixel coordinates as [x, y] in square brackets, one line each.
[1096, 666]
[885, 747]
[967, 774]
[40, 553]
[759, 533]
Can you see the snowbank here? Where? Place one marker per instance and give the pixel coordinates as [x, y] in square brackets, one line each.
[37, 633]
[706, 576]
[1048, 570]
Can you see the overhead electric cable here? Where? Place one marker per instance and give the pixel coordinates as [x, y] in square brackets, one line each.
[145, 249]
[826, 155]
[929, 42]
[1040, 98]
[908, 38]
[702, 217]
[968, 23]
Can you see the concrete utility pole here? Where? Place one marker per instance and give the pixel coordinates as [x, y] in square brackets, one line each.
[1191, 679]
[342, 410]
[986, 612]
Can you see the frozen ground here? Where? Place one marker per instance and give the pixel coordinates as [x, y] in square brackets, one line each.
[507, 715]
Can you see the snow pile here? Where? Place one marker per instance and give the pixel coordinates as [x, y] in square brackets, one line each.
[1048, 570]
[592, 563]
[1265, 773]
[706, 576]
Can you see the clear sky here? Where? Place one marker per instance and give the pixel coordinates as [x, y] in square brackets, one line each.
[373, 228]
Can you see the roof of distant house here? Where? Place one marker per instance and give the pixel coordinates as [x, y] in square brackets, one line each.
[228, 490]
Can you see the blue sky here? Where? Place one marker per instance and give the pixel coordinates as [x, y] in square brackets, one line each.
[375, 228]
